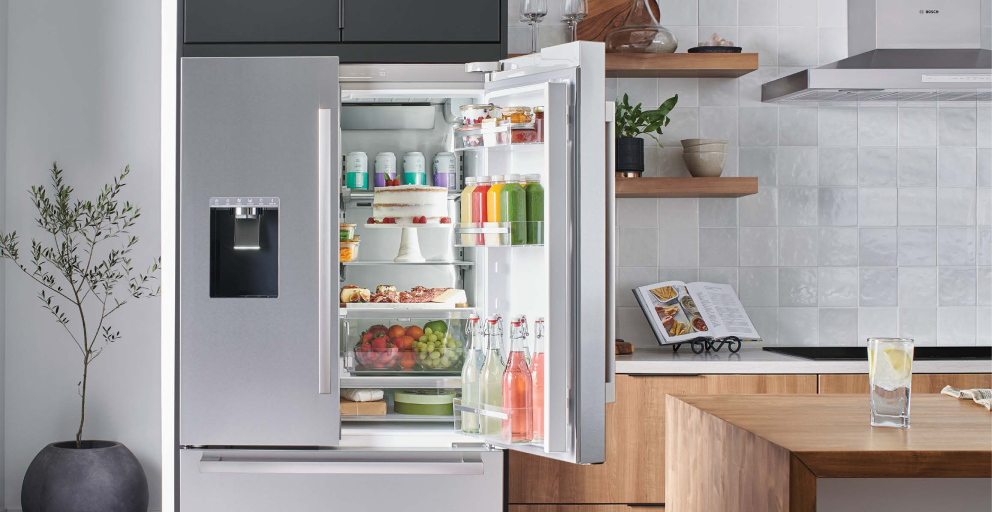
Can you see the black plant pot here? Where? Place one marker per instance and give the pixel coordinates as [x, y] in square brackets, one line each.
[630, 155]
[102, 476]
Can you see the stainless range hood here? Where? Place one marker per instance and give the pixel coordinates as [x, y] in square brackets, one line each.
[904, 50]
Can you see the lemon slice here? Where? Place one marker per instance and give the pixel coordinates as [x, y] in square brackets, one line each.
[900, 360]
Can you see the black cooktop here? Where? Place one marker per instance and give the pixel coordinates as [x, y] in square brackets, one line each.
[919, 353]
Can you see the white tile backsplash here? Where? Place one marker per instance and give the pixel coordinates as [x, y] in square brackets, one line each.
[758, 127]
[759, 13]
[838, 286]
[957, 126]
[917, 167]
[878, 247]
[838, 167]
[797, 287]
[956, 167]
[878, 167]
[917, 247]
[797, 126]
[879, 286]
[877, 126]
[758, 247]
[917, 127]
[796, 327]
[870, 220]
[797, 166]
[797, 246]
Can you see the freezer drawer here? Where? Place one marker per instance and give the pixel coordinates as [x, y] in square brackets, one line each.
[326, 480]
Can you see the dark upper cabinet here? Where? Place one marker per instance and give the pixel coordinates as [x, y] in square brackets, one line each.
[422, 21]
[262, 21]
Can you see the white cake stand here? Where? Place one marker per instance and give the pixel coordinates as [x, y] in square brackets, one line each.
[409, 240]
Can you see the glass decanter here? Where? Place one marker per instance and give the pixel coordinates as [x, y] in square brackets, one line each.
[642, 32]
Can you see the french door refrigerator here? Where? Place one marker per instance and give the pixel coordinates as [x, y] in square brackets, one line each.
[265, 346]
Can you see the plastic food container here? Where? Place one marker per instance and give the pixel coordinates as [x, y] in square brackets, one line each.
[473, 115]
[347, 232]
[539, 123]
[523, 133]
[488, 134]
[349, 251]
[517, 114]
[429, 402]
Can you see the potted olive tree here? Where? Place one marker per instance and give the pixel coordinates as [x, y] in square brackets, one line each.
[83, 284]
[631, 122]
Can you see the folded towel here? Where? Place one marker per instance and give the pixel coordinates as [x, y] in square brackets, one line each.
[980, 396]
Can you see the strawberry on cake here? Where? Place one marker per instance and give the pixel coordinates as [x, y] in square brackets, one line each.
[410, 204]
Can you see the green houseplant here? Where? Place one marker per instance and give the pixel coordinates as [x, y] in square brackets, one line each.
[632, 121]
[82, 285]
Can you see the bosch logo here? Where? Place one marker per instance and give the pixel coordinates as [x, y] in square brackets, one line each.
[929, 11]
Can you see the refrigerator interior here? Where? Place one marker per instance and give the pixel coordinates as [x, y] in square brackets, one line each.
[502, 280]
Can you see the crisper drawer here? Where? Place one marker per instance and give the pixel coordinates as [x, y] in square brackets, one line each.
[326, 480]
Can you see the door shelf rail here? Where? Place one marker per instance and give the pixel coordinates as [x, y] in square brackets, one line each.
[406, 313]
[491, 419]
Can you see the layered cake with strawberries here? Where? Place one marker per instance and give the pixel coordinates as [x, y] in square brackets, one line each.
[410, 204]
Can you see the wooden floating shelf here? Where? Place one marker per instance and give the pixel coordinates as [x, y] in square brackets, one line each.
[680, 65]
[686, 187]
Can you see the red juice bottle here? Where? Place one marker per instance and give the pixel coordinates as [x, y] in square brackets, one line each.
[518, 427]
[479, 209]
[537, 379]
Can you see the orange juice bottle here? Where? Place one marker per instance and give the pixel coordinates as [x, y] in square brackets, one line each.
[493, 200]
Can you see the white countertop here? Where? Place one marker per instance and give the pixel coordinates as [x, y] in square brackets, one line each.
[753, 360]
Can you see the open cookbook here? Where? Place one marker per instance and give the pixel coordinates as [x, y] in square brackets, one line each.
[680, 312]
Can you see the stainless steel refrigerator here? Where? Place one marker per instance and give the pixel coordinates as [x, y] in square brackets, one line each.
[265, 348]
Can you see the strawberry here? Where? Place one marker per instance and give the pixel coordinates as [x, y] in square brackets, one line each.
[371, 221]
[367, 337]
[423, 219]
[379, 344]
[445, 220]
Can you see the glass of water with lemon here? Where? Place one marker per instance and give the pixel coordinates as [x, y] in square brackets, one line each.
[890, 376]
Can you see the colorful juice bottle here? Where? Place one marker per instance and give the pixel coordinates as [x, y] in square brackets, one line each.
[492, 377]
[537, 378]
[535, 209]
[475, 356]
[518, 392]
[467, 209]
[480, 198]
[493, 198]
[513, 209]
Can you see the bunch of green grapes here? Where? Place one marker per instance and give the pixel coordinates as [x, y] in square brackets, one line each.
[438, 350]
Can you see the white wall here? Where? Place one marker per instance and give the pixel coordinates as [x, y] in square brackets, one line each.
[3, 182]
[83, 89]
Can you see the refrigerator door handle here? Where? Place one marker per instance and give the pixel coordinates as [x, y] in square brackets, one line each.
[217, 464]
[611, 251]
[324, 303]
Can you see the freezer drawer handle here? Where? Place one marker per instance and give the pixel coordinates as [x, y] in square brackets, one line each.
[337, 467]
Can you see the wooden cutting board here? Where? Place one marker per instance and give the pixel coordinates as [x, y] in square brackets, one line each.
[604, 16]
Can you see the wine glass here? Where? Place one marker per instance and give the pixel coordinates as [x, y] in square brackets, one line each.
[572, 13]
[533, 11]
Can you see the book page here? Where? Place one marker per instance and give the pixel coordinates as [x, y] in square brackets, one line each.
[671, 312]
[722, 310]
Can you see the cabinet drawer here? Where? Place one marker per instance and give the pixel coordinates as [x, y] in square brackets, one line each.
[422, 21]
[261, 21]
[266, 481]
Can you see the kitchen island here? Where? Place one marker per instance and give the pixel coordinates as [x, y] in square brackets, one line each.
[802, 453]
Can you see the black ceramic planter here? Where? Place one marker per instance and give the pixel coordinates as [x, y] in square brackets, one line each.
[629, 155]
[102, 476]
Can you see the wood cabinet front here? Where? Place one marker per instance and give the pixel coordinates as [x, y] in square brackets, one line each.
[584, 508]
[922, 382]
[634, 471]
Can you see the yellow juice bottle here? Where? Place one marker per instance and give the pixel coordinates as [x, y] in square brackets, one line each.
[493, 199]
[466, 210]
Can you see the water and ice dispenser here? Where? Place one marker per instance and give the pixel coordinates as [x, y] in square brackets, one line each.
[244, 247]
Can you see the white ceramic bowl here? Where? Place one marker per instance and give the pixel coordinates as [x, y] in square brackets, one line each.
[687, 143]
[708, 164]
[703, 148]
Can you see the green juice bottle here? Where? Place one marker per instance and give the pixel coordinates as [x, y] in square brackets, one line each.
[535, 209]
[513, 208]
